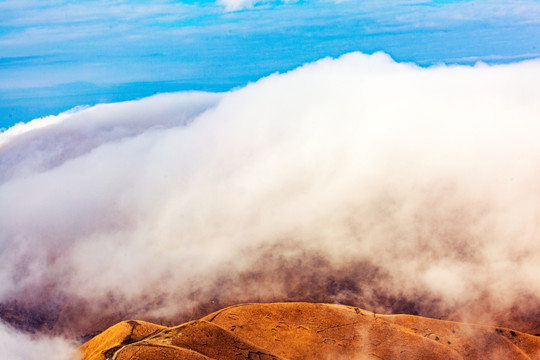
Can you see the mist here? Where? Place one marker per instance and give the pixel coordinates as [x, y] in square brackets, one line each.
[17, 346]
[355, 180]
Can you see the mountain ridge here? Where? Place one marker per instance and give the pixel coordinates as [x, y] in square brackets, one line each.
[287, 331]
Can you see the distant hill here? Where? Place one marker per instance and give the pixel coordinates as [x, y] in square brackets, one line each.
[309, 331]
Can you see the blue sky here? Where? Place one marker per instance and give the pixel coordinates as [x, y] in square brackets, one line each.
[57, 54]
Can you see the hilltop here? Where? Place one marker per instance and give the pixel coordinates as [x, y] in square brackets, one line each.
[279, 331]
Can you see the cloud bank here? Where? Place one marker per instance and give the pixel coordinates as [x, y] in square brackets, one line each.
[355, 180]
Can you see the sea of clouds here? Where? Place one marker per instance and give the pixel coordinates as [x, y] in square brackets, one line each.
[354, 180]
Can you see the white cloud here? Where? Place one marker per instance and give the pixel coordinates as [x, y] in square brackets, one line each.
[33, 146]
[393, 177]
[16, 346]
[235, 5]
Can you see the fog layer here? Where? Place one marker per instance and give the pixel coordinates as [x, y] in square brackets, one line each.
[354, 180]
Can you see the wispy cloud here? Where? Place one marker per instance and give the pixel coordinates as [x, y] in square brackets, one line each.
[235, 5]
[37, 13]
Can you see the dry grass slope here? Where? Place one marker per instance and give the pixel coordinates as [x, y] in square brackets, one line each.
[280, 331]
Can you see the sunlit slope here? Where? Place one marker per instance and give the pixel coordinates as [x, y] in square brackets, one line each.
[309, 331]
[125, 332]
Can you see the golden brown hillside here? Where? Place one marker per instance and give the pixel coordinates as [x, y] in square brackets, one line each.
[309, 331]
